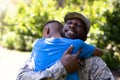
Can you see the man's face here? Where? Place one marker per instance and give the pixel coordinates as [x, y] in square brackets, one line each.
[75, 29]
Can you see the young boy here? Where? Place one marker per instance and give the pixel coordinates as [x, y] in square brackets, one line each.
[50, 48]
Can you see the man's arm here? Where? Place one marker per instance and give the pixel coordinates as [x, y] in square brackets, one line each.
[27, 73]
[98, 52]
[67, 63]
[94, 68]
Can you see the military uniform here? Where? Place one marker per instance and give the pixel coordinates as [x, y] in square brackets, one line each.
[92, 68]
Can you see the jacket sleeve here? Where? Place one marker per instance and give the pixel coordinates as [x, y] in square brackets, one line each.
[54, 72]
[94, 68]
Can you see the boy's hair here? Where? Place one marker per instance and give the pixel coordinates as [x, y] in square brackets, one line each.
[58, 27]
[54, 21]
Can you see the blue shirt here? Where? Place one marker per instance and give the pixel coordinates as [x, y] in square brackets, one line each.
[47, 51]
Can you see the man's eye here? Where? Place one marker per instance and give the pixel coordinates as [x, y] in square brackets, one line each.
[69, 22]
[79, 25]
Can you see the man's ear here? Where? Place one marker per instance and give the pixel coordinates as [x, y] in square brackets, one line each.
[85, 37]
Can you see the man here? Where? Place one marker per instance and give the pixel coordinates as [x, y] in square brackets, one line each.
[76, 26]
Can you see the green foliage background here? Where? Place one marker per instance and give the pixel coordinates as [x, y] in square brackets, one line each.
[20, 30]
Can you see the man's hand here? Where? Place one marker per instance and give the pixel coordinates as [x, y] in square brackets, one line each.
[70, 61]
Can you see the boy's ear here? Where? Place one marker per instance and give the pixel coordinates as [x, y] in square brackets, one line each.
[46, 32]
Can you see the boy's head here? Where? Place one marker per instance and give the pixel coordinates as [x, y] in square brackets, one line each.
[52, 28]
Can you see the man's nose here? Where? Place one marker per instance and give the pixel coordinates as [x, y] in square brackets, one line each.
[72, 26]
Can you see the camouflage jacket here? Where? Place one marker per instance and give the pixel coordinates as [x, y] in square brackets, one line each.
[92, 68]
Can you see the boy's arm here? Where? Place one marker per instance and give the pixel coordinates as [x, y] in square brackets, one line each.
[98, 52]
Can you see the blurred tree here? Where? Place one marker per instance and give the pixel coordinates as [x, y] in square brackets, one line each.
[31, 15]
[61, 3]
[22, 28]
[28, 22]
[111, 37]
[2, 15]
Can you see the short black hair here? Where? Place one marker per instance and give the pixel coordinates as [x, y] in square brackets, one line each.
[53, 21]
[60, 25]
